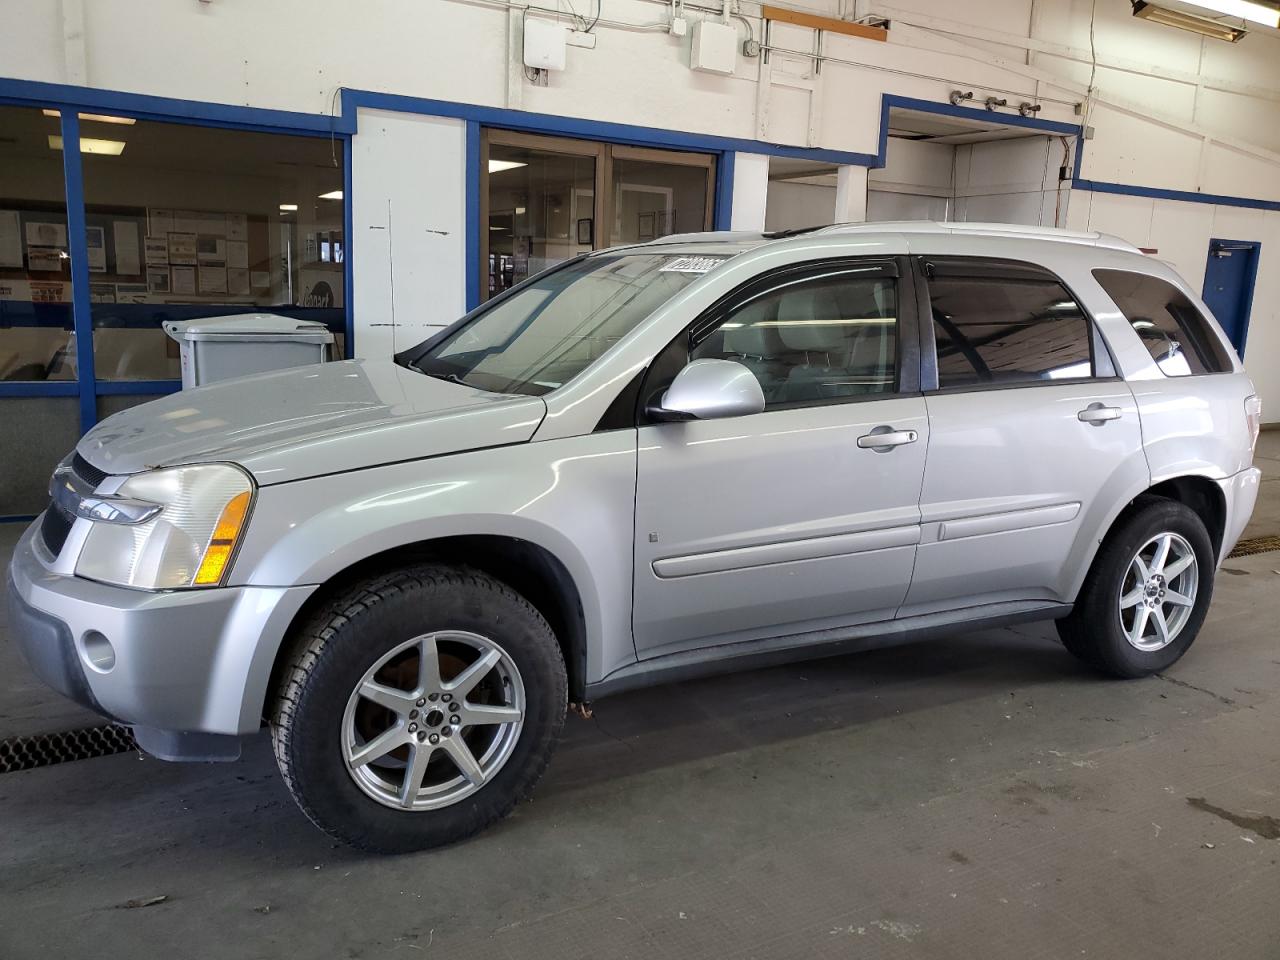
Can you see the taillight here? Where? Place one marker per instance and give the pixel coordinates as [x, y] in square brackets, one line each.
[1253, 415]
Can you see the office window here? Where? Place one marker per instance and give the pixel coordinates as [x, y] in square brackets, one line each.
[186, 222]
[35, 263]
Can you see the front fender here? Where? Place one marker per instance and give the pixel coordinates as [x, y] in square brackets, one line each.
[573, 497]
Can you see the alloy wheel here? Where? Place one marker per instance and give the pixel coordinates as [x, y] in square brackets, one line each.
[433, 720]
[1158, 592]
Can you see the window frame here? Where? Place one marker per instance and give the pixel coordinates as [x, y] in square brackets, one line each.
[907, 360]
[1101, 359]
[1221, 357]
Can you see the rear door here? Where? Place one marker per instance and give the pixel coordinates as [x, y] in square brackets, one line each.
[1033, 437]
[805, 516]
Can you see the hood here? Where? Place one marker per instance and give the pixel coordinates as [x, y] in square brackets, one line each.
[312, 420]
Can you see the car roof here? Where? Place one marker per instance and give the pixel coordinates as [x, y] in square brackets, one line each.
[740, 240]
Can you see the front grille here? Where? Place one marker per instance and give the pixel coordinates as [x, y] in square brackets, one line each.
[86, 471]
[57, 522]
[55, 527]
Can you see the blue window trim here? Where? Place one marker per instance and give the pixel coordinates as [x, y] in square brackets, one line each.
[724, 190]
[136, 388]
[77, 243]
[472, 271]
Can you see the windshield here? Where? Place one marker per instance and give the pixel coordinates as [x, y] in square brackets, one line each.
[553, 327]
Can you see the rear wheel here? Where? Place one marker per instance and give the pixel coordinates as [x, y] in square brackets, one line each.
[1147, 594]
[419, 708]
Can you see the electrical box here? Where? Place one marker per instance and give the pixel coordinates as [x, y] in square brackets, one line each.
[544, 44]
[714, 48]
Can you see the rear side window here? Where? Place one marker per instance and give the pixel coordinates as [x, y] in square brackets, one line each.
[997, 325]
[1175, 333]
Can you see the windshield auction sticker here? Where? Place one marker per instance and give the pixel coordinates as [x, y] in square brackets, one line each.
[692, 264]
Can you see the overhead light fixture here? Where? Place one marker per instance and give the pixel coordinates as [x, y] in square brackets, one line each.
[1188, 21]
[1244, 9]
[497, 166]
[519, 211]
[288, 208]
[98, 117]
[331, 195]
[107, 148]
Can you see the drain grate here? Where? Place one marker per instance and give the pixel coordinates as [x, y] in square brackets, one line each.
[1247, 548]
[45, 749]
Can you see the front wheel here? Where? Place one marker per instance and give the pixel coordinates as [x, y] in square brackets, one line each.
[1147, 594]
[419, 708]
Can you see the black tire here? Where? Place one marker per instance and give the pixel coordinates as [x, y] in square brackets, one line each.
[345, 638]
[1093, 630]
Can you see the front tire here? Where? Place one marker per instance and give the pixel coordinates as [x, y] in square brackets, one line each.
[418, 708]
[1147, 593]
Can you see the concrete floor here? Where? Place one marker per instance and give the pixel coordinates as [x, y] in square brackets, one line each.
[983, 796]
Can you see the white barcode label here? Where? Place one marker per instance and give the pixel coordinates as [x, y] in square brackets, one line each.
[692, 264]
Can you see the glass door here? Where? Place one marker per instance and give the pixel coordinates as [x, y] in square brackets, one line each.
[659, 192]
[539, 205]
[543, 200]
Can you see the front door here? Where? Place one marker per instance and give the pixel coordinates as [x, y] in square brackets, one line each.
[1228, 286]
[1033, 438]
[803, 517]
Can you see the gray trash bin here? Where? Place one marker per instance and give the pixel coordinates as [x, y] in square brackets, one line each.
[217, 348]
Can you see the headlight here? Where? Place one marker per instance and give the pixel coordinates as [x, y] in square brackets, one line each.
[189, 542]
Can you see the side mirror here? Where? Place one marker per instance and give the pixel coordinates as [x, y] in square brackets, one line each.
[710, 390]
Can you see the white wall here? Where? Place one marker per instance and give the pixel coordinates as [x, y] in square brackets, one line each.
[1160, 90]
[792, 205]
[408, 217]
[1011, 181]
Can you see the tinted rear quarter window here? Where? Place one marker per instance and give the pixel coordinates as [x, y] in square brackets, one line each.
[1173, 330]
[1018, 327]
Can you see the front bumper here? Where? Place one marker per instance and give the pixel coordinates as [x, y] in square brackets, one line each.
[178, 662]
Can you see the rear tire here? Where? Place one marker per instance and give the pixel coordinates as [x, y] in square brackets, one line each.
[1147, 594]
[438, 672]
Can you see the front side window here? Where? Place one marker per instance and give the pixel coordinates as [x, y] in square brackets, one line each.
[555, 326]
[1174, 332]
[994, 329]
[824, 337]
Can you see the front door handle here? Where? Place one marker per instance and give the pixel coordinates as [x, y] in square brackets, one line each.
[884, 439]
[1098, 414]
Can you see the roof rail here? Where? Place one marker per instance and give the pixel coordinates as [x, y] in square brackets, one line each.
[1092, 238]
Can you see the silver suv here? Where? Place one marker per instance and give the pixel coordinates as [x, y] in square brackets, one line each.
[649, 463]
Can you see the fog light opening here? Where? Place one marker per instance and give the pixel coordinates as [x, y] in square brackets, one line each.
[97, 652]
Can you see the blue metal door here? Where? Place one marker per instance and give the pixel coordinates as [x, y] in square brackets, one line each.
[1228, 286]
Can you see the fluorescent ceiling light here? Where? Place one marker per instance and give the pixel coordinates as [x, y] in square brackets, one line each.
[519, 211]
[108, 148]
[99, 117]
[1187, 21]
[331, 195]
[497, 166]
[1244, 9]
[288, 207]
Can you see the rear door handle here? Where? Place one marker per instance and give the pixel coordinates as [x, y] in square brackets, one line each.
[883, 439]
[1098, 414]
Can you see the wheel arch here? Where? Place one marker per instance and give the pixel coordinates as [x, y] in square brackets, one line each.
[1200, 493]
[529, 568]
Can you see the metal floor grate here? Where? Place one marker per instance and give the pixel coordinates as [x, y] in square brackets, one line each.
[1247, 548]
[45, 749]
